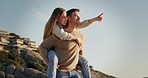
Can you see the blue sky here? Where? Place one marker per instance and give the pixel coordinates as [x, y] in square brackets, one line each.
[117, 46]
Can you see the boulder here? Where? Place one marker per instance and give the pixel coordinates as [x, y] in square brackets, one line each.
[18, 72]
[2, 74]
[10, 69]
[30, 55]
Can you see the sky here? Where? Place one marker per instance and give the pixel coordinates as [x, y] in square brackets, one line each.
[116, 46]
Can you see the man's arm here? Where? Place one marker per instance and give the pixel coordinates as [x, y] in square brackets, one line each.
[86, 23]
[83, 24]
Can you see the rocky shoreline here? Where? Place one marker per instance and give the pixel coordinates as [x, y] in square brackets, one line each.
[19, 58]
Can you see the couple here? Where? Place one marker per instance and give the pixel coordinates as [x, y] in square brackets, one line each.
[62, 44]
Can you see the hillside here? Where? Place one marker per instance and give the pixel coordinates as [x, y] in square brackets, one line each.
[20, 58]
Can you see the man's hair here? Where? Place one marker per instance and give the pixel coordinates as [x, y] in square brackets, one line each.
[69, 12]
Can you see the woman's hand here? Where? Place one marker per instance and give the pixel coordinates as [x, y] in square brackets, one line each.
[79, 42]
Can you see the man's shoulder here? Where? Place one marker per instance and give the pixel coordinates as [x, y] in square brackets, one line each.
[78, 33]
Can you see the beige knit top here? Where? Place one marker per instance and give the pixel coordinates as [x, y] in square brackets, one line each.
[67, 51]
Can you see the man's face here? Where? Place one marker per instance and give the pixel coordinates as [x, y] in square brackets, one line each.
[62, 19]
[75, 17]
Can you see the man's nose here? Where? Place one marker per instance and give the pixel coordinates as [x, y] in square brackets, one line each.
[78, 18]
[66, 18]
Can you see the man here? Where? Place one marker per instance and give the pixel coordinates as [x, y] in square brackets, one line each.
[74, 24]
[67, 51]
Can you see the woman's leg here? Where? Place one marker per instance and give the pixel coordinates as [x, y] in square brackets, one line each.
[52, 65]
[84, 67]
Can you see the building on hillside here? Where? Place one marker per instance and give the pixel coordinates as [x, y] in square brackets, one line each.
[3, 33]
[21, 46]
[2, 47]
[9, 36]
[33, 45]
[27, 39]
[4, 40]
[17, 42]
[14, 41]
[11, 47]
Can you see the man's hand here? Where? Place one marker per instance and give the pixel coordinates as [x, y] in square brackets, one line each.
[100, 17]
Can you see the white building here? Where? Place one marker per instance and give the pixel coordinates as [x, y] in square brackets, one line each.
[3, 33]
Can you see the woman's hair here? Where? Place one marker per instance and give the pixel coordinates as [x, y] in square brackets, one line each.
[52, 22]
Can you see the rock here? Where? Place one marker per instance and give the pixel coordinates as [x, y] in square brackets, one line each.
[26, 56]
[2, 68]
[18, 72]
[10, 76]
[98, 74]
[10, 69]
[32, 73]
[32, 56]
[2, 74]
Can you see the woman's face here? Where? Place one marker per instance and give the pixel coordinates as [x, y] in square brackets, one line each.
[62, 19]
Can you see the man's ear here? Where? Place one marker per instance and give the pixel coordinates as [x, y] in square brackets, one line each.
[68, 18]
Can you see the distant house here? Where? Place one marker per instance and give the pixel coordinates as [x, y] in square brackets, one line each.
[3, 33]
[4, 40]
[11, 47]
[11, 41]
[2, 47]
[33, 45]
[17, 42]
[26, 39]
[3, 43]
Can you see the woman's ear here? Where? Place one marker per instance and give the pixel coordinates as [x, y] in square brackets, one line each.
[56, 21]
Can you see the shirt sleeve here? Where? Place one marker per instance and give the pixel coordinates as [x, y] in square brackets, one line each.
[60, 33]
[83, 24]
